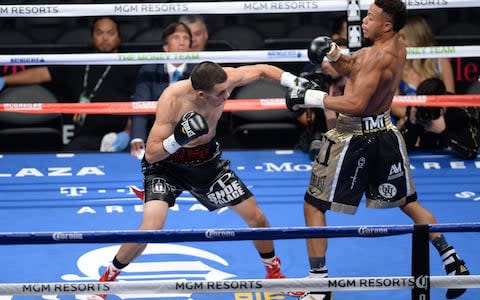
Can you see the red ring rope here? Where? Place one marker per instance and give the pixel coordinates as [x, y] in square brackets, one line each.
[148, 107]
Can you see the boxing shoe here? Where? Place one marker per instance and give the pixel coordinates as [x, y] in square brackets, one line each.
[453, 266]
[316, 295]
[110, 275]
[274, 272]
[273, 269]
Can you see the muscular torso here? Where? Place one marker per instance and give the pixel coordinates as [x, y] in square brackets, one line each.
[373, 77]
[182, 102]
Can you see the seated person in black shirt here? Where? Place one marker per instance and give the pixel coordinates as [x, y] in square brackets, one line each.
[91, 83]
[154, 78]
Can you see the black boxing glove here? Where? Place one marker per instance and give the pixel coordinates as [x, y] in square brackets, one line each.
[307, 84]
[323, 46]
[191, 126]
[298, 98]
[295, 98]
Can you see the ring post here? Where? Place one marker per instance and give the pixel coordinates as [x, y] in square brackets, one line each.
[421, 262]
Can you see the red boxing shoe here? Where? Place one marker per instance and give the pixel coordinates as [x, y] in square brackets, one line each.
[109, 275]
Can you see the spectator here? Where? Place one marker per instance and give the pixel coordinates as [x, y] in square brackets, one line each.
[153, 79]
[199, 30]
[417, 33]
[437, 128]
[90, 83]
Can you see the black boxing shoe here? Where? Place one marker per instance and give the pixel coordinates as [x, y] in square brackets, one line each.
[453, 266]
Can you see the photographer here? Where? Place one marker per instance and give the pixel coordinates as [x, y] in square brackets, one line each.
[438, 128]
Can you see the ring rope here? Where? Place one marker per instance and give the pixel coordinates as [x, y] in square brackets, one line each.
[148, 107]
[235, 286]
[240, 56]
[160, 287]
[222, 234]
[232, 7]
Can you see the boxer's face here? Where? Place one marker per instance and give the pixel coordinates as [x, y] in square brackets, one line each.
[105, 36]
[374, 22]
[218, 94]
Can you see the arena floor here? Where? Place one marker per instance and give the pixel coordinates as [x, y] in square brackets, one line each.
[83, 192]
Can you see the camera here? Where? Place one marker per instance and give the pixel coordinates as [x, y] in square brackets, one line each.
[427, 114]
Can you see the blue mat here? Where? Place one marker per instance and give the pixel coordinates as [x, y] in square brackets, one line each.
[50, 192]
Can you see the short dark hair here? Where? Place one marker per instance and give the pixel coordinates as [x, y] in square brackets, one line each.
[171, 28]
[396, 9]
[432, 86]
[207, 74]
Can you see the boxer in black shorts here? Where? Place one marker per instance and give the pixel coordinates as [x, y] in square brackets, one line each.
[181, 155]
[361, 155]
[365, 153]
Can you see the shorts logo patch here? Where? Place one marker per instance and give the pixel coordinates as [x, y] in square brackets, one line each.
[360, 163]
[159, 186]
[225, 190]
[318, 182]
[373, 124]
[387, 190]
[395, 171]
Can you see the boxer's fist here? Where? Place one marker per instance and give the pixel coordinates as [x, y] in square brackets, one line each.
[295, 98]
[191, 126]
[290, 81]
[323, 46]
[298, 98]
[306, 84]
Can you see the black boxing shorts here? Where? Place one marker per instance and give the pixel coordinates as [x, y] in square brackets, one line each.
[200, 171]
[362, 155]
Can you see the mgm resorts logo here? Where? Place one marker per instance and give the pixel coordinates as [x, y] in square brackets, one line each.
[421, 282]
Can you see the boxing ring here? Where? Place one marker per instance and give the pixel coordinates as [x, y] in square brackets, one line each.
[63, 215]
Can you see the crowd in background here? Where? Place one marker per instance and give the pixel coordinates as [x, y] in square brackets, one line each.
[455, 128]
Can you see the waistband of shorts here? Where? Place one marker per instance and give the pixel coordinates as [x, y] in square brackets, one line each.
[196, 155]
[364, 124]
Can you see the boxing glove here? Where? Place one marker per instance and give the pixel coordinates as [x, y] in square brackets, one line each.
[323, 46]
[289, 80]
[191, 126]
[2, 83]
[298, 98]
